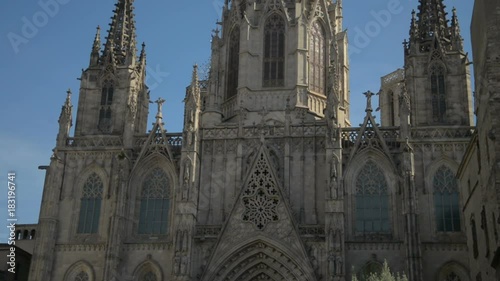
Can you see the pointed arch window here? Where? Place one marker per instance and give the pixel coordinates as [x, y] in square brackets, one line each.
[473, 229]
[274, 51]
[446, 200]
[149, 276]
[90, 206]
[82, 276]
[372, 200]
[452, 276]
[105, 108]
[233, 62]
[392, 121]
[438, 93]
[317, 59]
[155, 203]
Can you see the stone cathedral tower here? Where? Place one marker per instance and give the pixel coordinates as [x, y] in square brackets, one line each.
[267, 180]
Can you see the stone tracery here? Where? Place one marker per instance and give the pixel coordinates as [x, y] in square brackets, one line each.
[260, 197]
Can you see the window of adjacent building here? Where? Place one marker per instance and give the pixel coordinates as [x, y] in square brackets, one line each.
[150, 276]
[473, 229]
[438, 93]
[446, 200]
[484, 227]
[233, 62]
[317, 59]
[82, 276]
[274, 51]
[90, 206]
[105, 108]
[390, 97]
[155, 201]
[372, 200]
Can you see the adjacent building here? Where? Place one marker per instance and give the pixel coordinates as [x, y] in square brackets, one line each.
[479, 171]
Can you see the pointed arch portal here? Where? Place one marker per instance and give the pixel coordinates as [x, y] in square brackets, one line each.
[259, 260]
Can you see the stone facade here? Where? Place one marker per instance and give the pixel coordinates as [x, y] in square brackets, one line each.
[479, 170]
[267, 180]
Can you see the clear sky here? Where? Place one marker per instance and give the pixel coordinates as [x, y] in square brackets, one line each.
[53, 40]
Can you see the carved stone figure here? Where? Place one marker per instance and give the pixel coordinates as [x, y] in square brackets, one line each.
[333, 178]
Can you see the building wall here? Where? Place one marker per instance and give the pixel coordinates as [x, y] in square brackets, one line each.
[479, 170]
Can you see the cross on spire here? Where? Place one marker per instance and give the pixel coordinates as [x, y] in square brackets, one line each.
[369, 96]
[160, 103]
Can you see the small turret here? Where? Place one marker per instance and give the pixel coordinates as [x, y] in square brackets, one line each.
[65, 120]
[456, 37]
[96, 48]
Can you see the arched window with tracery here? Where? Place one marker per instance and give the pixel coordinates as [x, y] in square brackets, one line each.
[105, 107]
[317, 59]
[155, 202]
[274, 51]
[438, 93]
[90, 204]
[233, 62]
[82, 276]
[372, 200]
[452, 276]
[390, 97]
[446, 200]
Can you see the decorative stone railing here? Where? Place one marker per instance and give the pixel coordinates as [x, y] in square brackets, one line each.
[394, 77]
[94, 141]
[350, 135]
[207, 231]
[312, 231]
[316, 104]
[174, 139]
[442, 133]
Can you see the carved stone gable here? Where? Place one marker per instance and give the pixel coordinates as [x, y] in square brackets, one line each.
[260, 221]
[157, 142]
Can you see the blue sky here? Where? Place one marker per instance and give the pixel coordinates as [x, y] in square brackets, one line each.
[37, 70]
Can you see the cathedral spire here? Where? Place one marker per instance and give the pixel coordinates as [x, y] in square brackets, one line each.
[456, 37]
[142, 57]
[430, 28]
[121, 34]
[195, 84]
[65, 120]
[96, 48]
[432, 19]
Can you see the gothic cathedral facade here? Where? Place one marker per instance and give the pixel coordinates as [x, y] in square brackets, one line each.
[268, 179]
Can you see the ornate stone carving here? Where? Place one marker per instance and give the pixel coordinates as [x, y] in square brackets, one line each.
[260, 196]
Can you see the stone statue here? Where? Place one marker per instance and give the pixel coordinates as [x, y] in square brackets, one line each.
[178, 244]
[185, 241]
[332, 263]
[369, 96]
[333, 178]
[177, 264]
[339, 265]
[184, 264]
